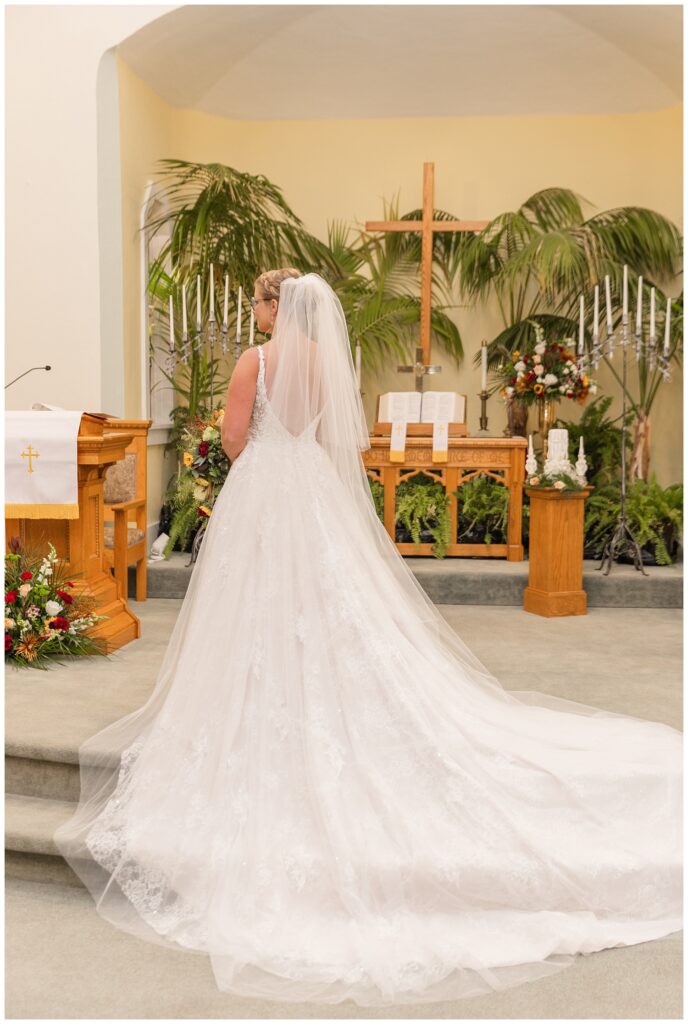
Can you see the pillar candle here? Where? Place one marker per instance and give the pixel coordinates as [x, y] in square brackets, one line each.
[185, 326]
[666, 327]
[609, 302]
[226, 297]
[581, 327]
[652, 313]
[212, 293]
[171, 325]
[483, 365]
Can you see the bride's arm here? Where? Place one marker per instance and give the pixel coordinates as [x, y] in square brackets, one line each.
[241, 393]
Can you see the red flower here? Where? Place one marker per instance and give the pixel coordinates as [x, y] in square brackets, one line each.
[203, 448]
[26, 575]
[59, 622]
[8, 642]
[11, 597]
[67, 598]
[69, 584]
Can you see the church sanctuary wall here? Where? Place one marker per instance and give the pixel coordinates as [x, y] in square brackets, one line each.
[64, 295]
[483, 166]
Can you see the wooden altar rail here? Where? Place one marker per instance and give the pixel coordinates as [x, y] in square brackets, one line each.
[501, 458]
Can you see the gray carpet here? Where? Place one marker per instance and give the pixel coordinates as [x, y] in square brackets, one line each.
[64, 962]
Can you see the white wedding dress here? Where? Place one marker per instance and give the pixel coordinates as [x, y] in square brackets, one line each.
[334, 800]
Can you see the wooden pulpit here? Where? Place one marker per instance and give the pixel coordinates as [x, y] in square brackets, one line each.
[80, 542]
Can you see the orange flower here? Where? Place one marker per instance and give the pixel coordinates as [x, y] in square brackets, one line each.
[538, 388]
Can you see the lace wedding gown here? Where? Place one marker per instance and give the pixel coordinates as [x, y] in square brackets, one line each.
[321, 798]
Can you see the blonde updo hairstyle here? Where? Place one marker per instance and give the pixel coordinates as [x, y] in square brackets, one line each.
[269, 282]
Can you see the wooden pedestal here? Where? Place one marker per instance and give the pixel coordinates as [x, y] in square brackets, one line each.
[555, 574]
[79, 542]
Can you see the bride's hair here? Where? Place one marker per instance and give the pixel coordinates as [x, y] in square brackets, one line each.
[269, 282]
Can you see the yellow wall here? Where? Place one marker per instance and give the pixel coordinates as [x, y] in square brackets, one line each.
[342, 170]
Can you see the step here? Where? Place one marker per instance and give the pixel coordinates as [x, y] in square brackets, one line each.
[30, 853]
[480, 581]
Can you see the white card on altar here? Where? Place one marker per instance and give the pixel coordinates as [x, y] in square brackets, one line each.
[397, 442]
[443, 405]
[399, 405]
[440, 441]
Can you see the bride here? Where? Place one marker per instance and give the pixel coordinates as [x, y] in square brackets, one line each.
[326, 792]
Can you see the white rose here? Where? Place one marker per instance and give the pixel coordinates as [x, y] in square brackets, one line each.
[537, 359]
[519, 366]
[549, 379]
[540, 348]
[53, 607]
[567, 369]
[559, 484]
[24, 589]
[509, 391]
[539, 369]
[563, 387]
[208, 433]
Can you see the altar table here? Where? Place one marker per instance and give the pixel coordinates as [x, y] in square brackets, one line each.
[501, 458]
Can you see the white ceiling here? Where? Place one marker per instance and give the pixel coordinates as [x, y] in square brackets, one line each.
[352, 61]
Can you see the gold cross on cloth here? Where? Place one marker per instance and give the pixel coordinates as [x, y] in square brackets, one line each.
[31, 455]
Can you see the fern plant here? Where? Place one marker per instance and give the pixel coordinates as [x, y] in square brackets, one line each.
[483, 503]
[422, 505]
[184, 507]
[655, 515]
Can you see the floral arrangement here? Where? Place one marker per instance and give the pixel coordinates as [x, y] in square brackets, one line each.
[549, 371]
[560, 481]
[205, 459]
[44, 616]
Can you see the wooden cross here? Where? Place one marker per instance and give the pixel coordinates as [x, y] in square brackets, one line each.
[427, 226]
[31, 455]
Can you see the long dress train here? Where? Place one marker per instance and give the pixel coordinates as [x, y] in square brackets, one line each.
[319, 797]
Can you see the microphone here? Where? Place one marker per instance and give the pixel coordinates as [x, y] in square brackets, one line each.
[25, 373]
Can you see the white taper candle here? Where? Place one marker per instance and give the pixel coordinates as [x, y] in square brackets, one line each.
[226, 298]
[639, 310]
[625, 290]
[596, 312]
[667, 333]
[483, 365]
[212, 293]
[198, 301]
[251, 324]
[171, 325]
[185, 326]
[581, 327]
[609, 302]
[652, 313]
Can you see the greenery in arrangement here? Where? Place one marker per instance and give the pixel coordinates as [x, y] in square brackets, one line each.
[46, 618]
[560, 481]
[655, 515]
[483, 510]
[422, 506]
[202, 473]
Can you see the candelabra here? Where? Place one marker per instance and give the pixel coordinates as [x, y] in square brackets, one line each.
[622, 536]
